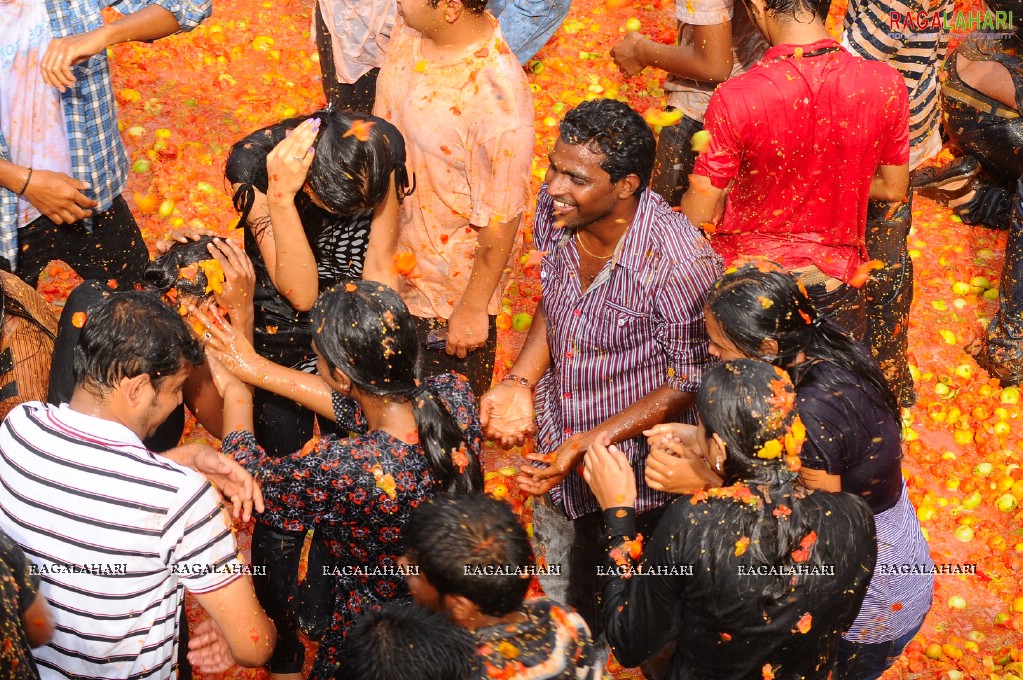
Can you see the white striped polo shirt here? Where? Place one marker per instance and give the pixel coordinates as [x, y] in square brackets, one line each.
[108, 524]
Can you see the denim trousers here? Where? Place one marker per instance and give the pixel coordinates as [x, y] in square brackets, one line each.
[527, 25]
[858, 661]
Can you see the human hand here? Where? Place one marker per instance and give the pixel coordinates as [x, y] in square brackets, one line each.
[288, 163]
[239, 278]
[609, 475]
[59, 197]
[679, 433]
[233, 480]
[226, 343]
[63, 53]
[208, 650]
[626, 54]
[468, 330]
[506, 413]
[538, 481]
[183, 236]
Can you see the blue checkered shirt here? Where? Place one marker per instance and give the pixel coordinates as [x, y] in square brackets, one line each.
[98, 155]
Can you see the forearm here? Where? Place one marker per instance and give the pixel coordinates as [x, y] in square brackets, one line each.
[148, 24]
[700, 201]
[535, 356]
[493, 250]
[12, 176]
[306, 389]
[705, 59]
[294, 271]
[662, 405]
[383, 241]
[238, 409]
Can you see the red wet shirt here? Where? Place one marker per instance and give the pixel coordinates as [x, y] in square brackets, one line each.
[802, 134]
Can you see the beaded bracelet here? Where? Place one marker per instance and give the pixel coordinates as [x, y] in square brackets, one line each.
[27, 180]
[518, 379]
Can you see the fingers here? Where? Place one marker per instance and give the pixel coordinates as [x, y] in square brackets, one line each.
[56, 65]
[297, 147]
[456, 349]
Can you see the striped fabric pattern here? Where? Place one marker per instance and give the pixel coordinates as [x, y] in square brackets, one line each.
[81, 492]
[916, 54]
[637, 327]
[98, 156]
[900, 547]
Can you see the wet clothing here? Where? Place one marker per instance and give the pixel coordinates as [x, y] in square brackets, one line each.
[986, 129]
[19, 588]
[709, 601]
[802, 133]
[351, 38]
[851, 433]
[357, 492]
[527, 25]
[552, 643]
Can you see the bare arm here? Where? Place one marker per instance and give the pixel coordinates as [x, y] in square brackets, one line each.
[708, 57]
[661, 405]
[383, 241]
[506, 411]
[890, 183]
[468, 325]
[249, 633]
[37, 621]
[702, 200]
[819, 479]
[149, 23]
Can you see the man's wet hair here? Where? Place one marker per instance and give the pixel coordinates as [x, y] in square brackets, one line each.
[450, 535]
[403, 641]
[614, 129]
[133, 334]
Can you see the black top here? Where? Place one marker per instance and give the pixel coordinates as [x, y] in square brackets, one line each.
[87, 298]
[338, 242]
[715, 615]
[18, 590]
[851, 433]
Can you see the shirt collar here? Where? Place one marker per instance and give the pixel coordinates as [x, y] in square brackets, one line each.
[115, 433]
[782, 51]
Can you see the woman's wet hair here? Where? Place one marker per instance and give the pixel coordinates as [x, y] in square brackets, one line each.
[364, 330]
[165, 273]
[751, 406]
[351, 168]
[760, 300]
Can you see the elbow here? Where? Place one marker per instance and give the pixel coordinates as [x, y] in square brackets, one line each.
[890, 193]
[302, 302]
[720, 71]
[258, 647]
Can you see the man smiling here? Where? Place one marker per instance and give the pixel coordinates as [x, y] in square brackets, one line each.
[618, 338]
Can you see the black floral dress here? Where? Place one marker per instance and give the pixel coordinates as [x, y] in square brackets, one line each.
[358, 491]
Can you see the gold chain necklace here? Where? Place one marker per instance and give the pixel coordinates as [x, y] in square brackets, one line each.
[579, 242]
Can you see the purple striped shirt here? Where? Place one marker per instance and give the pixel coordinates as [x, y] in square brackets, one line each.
[637, 327]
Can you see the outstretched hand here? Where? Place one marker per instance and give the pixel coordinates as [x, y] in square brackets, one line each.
[609, 474]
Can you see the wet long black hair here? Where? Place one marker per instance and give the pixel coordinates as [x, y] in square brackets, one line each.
[164, 272]
[364, 330]
[761, 300]
[748, 403]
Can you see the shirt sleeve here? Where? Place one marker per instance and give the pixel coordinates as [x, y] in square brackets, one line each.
[720, 161]
[896, 144]
[639, 613]
[679, 325]
[203, 540]
[296, 490]
[704, 12]
[498, 172]
[189, 13]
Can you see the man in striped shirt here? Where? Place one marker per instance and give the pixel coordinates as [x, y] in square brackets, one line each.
[618, 338]
[116, 532]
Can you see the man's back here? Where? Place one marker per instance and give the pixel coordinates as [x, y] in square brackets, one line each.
[106, 523]
[803, 133]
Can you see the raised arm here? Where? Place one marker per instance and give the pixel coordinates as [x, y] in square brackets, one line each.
[708, 57]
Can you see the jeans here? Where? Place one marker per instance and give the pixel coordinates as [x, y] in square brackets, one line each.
[114, 249]
[527, 25]
[675, 160]
[889, 293]
[477, 366]
[282, 427]
[1004, 346]
[996, 142]
[869, 661]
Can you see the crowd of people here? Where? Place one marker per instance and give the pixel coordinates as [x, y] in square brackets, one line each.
[712, 382]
